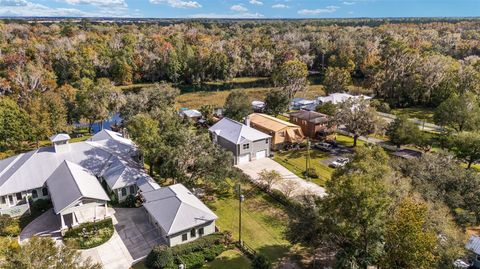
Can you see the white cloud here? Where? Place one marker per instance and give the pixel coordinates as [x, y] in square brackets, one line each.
[178, 3]
[348, 3]
[255, 2]
[329, 9]
[103, 3]
[238, 8]
[245, 15]
[280, 6]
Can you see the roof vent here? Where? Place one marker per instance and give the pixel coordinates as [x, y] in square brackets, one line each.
[60, 142]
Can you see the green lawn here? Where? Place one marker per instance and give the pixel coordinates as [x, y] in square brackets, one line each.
[231, 259]
[263, 221]
[295, 161]
[347, 141]
[420, 113]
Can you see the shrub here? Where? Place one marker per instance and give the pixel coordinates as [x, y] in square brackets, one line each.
[130, 201]
[311, 172]
[260, 262]
[40, 206]
[193, 259]
[9, 226]
[89, 235]
[160, 257]
[211, 253]
[380, 106]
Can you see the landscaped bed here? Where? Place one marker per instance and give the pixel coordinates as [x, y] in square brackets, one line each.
[89, 235]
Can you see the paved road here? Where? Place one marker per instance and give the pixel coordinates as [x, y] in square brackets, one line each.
[291, 185]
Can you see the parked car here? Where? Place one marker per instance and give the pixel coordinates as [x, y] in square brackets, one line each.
[333, 143]
[340, 162]
[323, 146]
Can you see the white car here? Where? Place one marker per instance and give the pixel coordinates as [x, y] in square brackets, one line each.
[323, 146]
[340, 162]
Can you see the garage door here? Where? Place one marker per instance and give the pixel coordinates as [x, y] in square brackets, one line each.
[244, 158]
[261, 154]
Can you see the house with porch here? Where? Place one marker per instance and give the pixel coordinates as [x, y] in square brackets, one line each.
[283, 133]
[314, 125]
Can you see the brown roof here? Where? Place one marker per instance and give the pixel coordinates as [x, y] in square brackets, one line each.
[269, 122]
[311, 116]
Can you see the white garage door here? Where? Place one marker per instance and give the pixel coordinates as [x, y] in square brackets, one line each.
[244, 158]
[261, 154]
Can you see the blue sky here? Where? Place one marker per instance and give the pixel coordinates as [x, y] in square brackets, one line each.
[241, 8]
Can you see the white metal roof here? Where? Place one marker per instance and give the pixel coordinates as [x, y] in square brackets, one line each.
[192, 113]
[473, 244]
[69, 183]
[236, 132]
[337, 98]
[30, 170]
[59, 137]
[176, 209]
[105, 135]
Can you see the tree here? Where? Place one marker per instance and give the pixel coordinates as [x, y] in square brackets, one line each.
[269, 177]
[160, 257]
[260, 262]
[327, 108]
[466, 147]
[14, 124]
[358, 117]
[144, 131]
[337, 80]
[276, 102]
[409, 241]
[460, 112]
[42, 253]
[402, 131]
[96, 102]
[291, 76]
[237, 106]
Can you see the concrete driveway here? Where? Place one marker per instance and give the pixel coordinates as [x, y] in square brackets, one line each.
[133, 239]
[291, 185]
[47, 224]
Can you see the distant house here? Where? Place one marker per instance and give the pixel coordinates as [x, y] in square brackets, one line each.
[301, 103]
[178, 214]
[337, 98]
[473, 245]
[283, 133]
[314, 125]
[246, 143]
[192, 114]
[258, 106]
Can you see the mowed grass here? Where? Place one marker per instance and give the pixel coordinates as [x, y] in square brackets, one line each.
[263, 221]
[347, 141]
[295, 161]
[420, 113]
[230, 259]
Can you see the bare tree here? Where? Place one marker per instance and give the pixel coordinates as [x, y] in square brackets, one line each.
[269, 178]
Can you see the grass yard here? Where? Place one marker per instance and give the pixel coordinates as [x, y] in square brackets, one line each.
[263, 222]
[347, 141]
[294, 160]
[421, 113]
[231, 259]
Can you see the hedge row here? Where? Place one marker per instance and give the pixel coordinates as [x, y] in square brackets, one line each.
[193, 254]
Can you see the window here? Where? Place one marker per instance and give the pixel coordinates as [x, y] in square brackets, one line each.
[3, 200]
[281, 134]
[193, 233]
[124, 192]
[34, 194]
[246, 146]
[10, 199]
[19, 196]
[201, 232]
[266, 141]
[184, 237]
[132, 189]
[45, 192]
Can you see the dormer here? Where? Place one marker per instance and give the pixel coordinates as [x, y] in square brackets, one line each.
[60, 142]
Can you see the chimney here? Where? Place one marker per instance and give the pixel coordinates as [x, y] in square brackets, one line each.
[60, 142]
[247, 121]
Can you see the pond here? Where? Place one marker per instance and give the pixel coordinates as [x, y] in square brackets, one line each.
[107, 124]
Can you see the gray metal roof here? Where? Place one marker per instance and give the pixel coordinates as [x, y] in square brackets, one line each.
[311, 116]
[69, 183]
[30, 170]
[236, 132]
[473, 244]
[176, 209]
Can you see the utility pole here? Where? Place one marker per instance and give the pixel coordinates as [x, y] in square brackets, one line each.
[241, 198]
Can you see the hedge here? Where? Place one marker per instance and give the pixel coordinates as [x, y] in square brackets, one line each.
[89, 235]
[193, 254]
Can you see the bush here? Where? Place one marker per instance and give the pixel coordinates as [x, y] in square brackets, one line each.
[212, 252]
[9, 226]
[311, 172]
[40, 206]
[380, 106]
[193, 260]
[89, 235]
[260, 262]
[130, 201]
[160, 257]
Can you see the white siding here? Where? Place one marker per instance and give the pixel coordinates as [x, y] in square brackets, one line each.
[177, 239]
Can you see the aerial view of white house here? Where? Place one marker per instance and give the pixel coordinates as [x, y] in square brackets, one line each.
[71, 175]
[246, 144]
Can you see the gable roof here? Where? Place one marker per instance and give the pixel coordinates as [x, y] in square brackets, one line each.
[191, 113]
[108, 134]
[176, 209]
[269, 122]
[473, 244]
[69, 183]
[311, 116]
[59, 137]
[236, 132]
